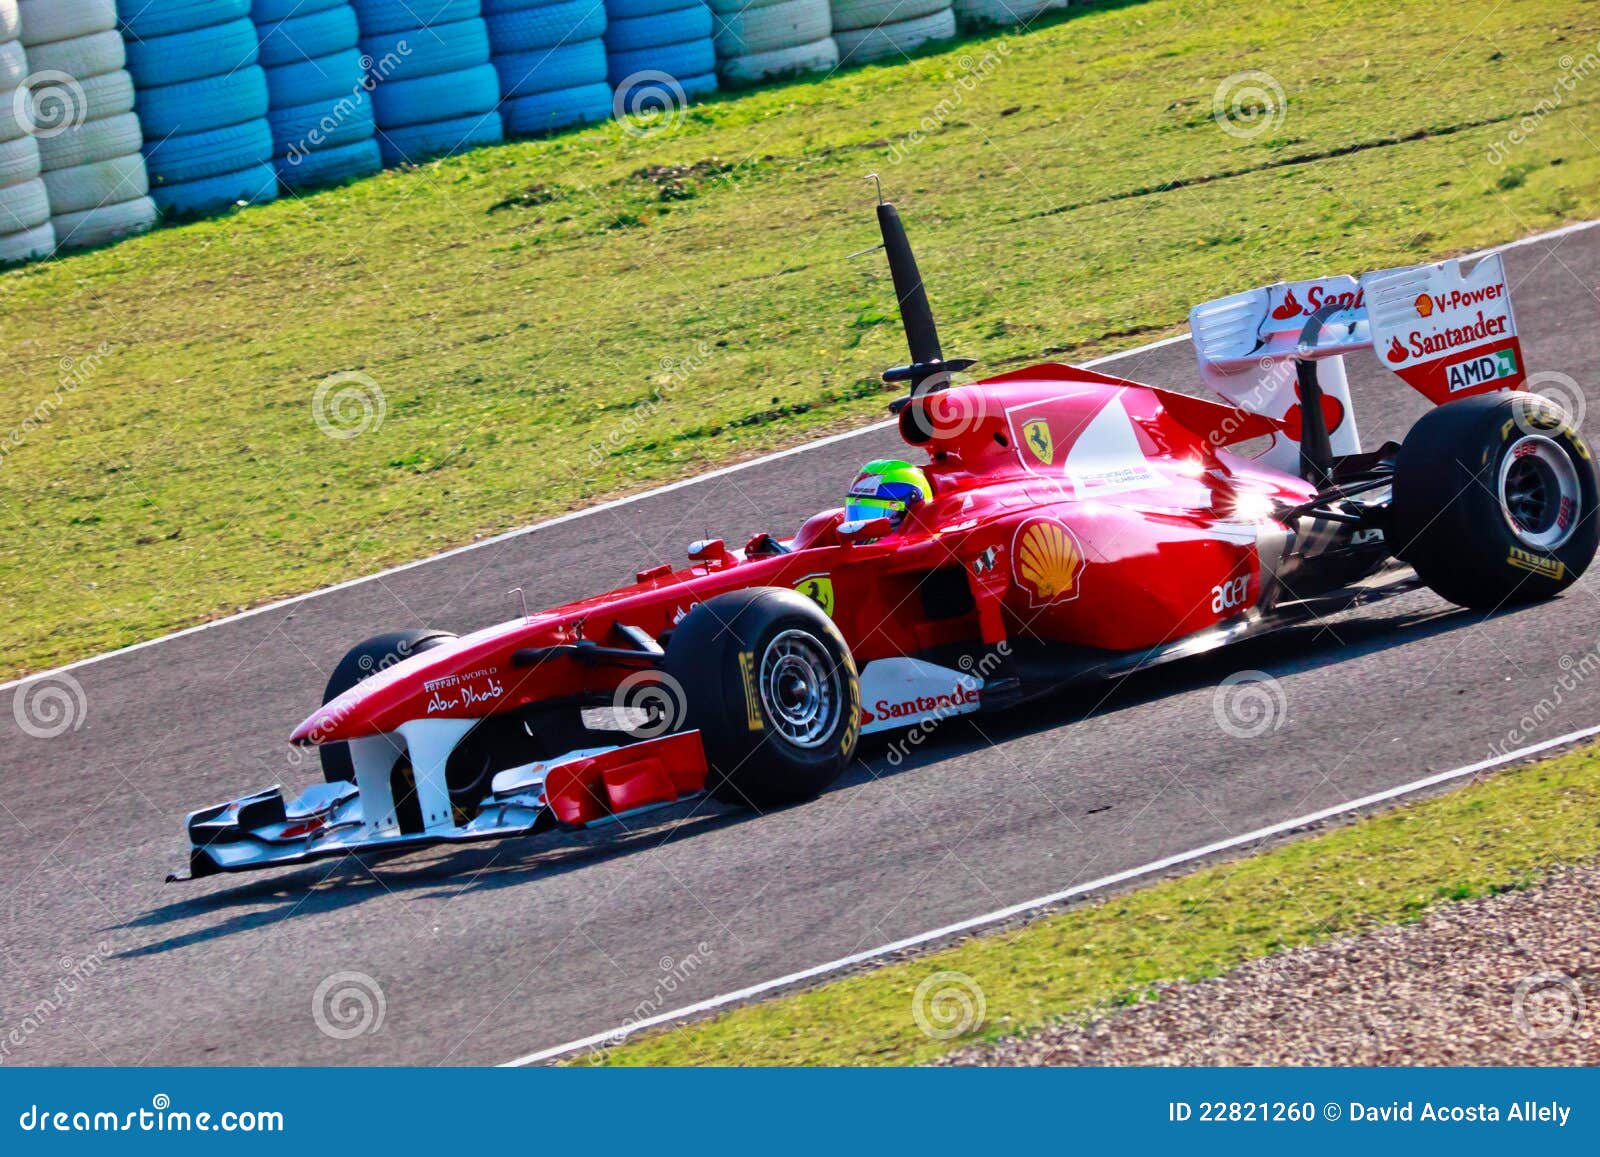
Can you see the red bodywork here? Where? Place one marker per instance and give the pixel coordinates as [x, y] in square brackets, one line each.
[1077, 508]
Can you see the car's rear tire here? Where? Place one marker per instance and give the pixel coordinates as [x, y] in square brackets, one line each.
[1495, 500]
[769, 682]
[359, 662]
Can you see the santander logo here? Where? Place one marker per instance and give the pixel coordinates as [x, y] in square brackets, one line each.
[921, 705]
[1396, 352]
[1317, 296]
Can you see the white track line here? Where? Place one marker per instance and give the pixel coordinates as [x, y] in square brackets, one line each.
[620, 1033]
[620, 502]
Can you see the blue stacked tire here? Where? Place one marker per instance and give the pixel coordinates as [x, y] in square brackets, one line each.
[551, 59]
[26, 232]
[201, 97]
[433, 89]
[319, 107]
[659, 57]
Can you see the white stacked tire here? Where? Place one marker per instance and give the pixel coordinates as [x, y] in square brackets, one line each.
[202, 100]
[659, 53]
[25, 229]
[980, 14]
[318, 106]
[760, 40]
[80, 108]
[551, 60]
[868, 30]
[434, 91]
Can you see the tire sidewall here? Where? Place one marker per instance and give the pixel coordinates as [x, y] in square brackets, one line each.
[361, 662]
[715, 656]
[1451, 524]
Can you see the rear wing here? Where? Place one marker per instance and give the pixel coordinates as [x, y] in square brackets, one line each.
[1446, 333]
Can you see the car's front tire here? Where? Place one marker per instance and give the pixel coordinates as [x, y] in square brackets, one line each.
[1495, 500]
[768, 681]
[363, 660]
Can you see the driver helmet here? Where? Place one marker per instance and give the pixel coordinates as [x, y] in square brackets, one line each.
[886, 488]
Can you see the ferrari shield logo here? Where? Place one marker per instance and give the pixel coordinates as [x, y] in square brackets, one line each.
[1036, 435]
[819, 589]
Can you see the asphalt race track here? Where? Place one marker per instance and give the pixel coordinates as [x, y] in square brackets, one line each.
[490, 952]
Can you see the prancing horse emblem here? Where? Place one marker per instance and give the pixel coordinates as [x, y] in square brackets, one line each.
[1036, 433]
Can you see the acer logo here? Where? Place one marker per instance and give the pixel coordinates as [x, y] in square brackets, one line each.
[1316, 298]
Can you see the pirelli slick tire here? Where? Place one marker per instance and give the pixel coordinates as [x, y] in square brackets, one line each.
[1495, 500]
[364, 659]
[767, 680]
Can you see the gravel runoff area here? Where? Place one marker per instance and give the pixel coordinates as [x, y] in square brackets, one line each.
[1503, 980]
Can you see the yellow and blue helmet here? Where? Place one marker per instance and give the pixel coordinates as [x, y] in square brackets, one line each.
[886, 488]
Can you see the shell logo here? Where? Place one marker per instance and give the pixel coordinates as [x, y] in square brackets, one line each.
[1424, 305]
[1047, 561]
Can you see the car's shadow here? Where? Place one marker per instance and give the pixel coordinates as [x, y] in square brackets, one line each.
[446, 871]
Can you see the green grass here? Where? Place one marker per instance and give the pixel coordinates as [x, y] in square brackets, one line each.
[1498, 834]
[554, 322]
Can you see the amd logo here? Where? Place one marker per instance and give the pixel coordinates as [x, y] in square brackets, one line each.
[1478, 371]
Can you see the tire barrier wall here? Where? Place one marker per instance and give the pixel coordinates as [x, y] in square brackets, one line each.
[201, 97]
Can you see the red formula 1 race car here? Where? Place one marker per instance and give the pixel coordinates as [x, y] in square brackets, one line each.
[1065, 525]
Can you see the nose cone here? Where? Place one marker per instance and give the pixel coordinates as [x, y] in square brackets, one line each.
[318, 727]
